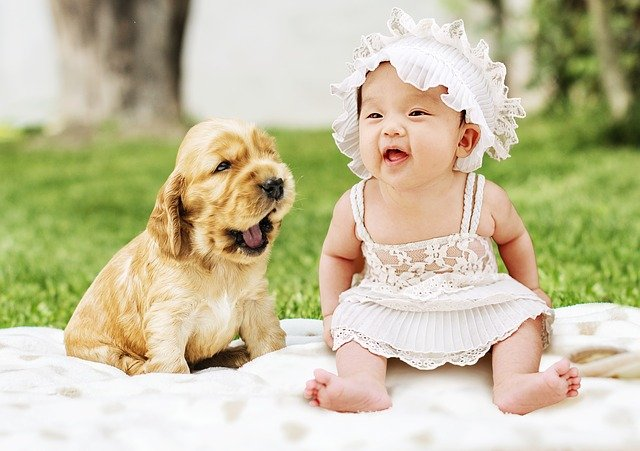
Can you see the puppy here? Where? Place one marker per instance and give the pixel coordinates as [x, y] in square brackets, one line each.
[179, 292]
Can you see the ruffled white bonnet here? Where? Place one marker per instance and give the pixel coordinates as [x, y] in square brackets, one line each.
[426, 55]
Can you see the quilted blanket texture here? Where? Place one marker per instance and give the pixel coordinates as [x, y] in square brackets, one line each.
[51, 401]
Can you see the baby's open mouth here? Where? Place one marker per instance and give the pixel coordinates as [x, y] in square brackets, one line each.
[394, 155]
[254, 239]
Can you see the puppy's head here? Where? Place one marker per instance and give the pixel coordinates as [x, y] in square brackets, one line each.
[226, 196]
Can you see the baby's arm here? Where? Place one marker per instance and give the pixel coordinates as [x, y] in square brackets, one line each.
[513, 240]
[341, 258]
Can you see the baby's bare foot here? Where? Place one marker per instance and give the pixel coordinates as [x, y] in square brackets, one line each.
[353, 394]
[524, 393]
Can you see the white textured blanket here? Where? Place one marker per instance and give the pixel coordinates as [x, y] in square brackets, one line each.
[50, 401]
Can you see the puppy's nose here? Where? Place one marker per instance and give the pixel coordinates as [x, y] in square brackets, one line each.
[274, 188]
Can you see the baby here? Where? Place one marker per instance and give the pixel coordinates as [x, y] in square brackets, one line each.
[407, 268]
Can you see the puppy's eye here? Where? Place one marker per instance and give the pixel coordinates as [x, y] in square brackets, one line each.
[223, 166]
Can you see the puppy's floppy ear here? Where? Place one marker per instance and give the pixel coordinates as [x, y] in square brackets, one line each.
[166, 224]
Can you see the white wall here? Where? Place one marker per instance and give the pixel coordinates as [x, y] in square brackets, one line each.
[266, 61]
[272, 61]
[28, 77]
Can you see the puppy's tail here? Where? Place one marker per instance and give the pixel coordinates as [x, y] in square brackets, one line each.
[231, 357]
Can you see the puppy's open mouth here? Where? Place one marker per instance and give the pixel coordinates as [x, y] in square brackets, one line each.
[253, 240]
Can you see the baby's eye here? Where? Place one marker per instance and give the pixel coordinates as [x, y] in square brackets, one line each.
[418, 113]
[223, 166]
[374, 116]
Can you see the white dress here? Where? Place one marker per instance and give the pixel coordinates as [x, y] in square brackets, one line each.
[434, 301]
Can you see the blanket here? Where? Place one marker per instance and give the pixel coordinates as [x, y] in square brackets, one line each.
[51, 401]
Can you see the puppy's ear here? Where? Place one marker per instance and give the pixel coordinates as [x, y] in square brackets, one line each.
[166, 224]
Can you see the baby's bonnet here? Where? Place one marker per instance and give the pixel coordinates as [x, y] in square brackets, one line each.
[426, 55]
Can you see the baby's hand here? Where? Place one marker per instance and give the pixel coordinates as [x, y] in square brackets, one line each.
[326, 334]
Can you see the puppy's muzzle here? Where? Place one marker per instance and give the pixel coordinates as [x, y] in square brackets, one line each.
[273, 188]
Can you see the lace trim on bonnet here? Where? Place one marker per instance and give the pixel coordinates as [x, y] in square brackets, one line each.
[427, 55]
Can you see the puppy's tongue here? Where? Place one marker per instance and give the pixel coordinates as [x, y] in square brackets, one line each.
[253, 236]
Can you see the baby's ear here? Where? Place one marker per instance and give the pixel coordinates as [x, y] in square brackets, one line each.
[470, 135]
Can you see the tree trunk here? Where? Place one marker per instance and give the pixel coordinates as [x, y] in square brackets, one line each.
[614, 84]
[120, 63]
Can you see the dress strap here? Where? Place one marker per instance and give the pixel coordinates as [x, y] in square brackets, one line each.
[467, 203]
[477, 205]
[357, 206]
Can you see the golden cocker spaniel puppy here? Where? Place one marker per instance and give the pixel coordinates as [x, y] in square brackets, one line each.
[179, 292]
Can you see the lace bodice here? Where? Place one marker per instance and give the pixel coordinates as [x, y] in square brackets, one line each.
[410, 266]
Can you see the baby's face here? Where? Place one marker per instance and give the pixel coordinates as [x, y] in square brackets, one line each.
[406, 134]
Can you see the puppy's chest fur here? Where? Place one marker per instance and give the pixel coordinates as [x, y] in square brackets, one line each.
[215, 322]
[218, 308]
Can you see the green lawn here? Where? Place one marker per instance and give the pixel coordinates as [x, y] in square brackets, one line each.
[65, 212]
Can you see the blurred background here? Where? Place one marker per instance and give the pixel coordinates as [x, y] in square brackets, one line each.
[95, 96]
[71, 63]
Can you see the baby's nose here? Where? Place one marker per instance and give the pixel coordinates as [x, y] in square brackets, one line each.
[393, 128]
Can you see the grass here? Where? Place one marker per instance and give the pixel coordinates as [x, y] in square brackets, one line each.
[66, 211]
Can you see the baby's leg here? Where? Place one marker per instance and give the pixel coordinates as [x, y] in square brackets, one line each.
[359, 385]
[518, 387]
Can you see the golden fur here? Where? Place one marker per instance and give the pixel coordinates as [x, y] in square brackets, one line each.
[180, 291]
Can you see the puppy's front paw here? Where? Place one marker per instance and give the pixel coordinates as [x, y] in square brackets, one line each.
[269, 342]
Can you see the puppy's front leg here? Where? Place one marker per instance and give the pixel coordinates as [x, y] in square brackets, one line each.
[260, 328]
[167, 329]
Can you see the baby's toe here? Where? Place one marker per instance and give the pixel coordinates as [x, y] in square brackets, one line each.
[572, 373]
[322, 376]
[561, 367]
[311, 389]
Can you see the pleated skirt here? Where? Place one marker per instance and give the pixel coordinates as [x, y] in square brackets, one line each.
[428, 339]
